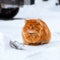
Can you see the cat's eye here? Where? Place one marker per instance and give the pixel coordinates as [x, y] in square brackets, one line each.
[38, 23]
[28, 27]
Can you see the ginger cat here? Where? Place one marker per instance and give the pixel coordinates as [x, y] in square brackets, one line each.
[35, 32]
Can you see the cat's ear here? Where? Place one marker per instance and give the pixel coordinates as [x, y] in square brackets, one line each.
[38, 20]
[26, 21]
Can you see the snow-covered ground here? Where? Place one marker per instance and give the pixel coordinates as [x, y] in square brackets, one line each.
[11, 30]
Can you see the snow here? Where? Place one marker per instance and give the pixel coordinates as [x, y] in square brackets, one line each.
[11, 30]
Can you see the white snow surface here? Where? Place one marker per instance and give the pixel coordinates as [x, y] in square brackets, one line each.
[12, 30]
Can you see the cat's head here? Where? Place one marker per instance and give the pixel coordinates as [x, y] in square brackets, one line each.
[32, 26]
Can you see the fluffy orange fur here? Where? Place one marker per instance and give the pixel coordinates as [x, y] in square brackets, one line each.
[35, 32]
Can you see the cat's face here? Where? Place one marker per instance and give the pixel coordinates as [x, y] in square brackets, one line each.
[32, 26]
